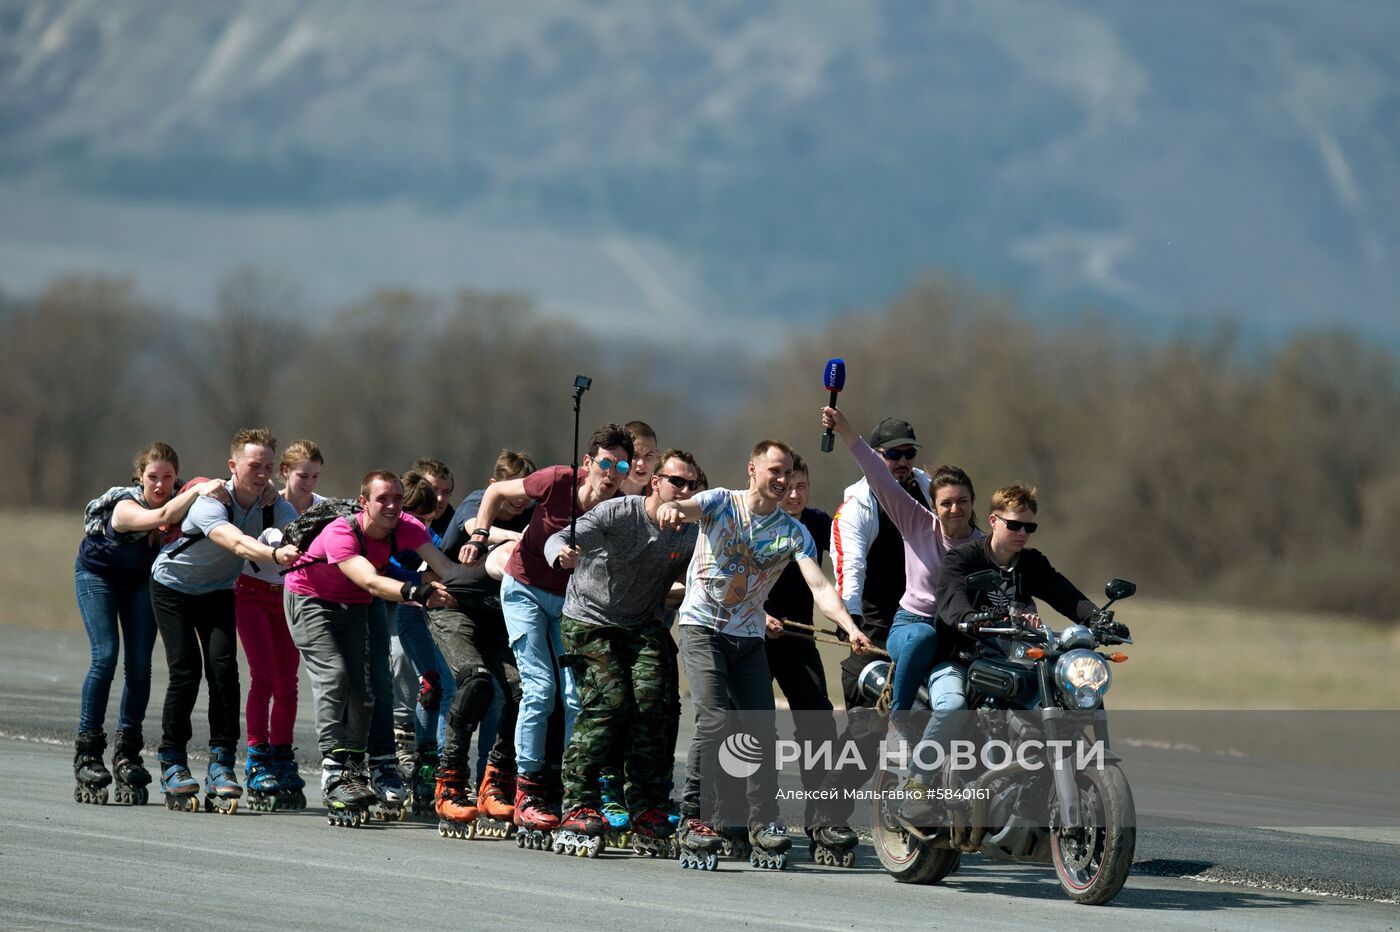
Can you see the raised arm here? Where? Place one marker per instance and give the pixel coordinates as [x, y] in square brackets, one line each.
[129, 517]
[908, 515]
[474, 550]
[675, 514]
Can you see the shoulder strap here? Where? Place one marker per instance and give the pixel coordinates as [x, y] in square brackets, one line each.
[193, 537]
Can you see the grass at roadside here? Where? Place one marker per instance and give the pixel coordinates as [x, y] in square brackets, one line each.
[37, 549]
[1186, 656]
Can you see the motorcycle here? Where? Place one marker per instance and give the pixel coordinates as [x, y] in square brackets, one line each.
[1047, 688]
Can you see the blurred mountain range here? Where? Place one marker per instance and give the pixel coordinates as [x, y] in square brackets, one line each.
[737, 160]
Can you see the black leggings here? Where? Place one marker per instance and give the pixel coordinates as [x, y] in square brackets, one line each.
[476, 652]
[200, 638]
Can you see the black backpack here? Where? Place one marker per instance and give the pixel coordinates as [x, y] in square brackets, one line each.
[310, 523]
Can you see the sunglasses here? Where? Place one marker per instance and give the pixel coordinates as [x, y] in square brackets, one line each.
[606, 464]
[1014, 525]
[680, 483]
[895, 456]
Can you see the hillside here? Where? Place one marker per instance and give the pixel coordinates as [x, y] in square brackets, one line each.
[778, 158]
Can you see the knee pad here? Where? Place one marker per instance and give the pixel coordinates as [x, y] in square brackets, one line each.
[473, 699]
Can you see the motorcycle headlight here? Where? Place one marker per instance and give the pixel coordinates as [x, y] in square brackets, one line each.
[1082, 676]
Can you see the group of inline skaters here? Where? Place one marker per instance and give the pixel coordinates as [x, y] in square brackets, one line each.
[535, 616]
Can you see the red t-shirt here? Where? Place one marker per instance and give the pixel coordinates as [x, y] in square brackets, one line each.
[553, 492]
[338, 542]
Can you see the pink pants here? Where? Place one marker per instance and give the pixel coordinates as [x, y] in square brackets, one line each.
[272, 662]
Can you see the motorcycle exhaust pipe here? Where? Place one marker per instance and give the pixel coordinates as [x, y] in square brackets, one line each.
[872, 683]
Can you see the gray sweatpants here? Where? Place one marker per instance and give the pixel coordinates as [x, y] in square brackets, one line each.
[334, 642]
[727, 673]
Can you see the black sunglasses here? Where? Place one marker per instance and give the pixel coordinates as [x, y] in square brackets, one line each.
[895, 456]
[1014, 525]
[678, 482]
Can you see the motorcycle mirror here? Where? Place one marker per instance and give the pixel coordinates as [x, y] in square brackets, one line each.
[1119, 589]
[986, 581]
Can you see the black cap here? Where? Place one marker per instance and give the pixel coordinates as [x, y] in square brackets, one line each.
[892, 432]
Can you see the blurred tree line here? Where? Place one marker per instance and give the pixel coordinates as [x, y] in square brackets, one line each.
[1200, 467]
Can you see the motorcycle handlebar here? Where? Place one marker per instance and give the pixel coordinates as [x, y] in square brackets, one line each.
[978, 618]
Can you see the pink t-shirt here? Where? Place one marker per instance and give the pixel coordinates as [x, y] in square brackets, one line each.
[338, 542]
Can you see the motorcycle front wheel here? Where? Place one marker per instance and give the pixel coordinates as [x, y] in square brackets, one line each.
[1092, 861]
[903, 856]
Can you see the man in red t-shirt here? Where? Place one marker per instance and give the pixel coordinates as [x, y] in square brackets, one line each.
[327, 601]
[532, 599]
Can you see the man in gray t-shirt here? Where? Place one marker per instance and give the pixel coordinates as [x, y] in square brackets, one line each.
[625, 564]
[192, 598]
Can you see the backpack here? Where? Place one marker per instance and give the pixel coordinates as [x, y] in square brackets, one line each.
[302, 531]
[99, 511]
[193, 537]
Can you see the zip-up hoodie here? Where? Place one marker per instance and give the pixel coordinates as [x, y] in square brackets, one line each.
[852, 532]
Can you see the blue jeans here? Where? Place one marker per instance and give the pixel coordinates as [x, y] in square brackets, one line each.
[114, 613]
[532, 626]
[429, 728]
[947, 693]
[912, 642]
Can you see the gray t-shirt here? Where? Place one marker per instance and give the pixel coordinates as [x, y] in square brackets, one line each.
[628, 563]
[204, 566]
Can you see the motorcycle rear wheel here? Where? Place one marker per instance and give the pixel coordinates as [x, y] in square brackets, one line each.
[904, 857]
[1092, 862]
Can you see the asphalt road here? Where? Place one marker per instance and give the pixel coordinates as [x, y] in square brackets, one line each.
[63, 864]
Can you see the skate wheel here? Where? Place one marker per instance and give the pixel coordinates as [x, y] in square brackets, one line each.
[848, 859]
[442, 830]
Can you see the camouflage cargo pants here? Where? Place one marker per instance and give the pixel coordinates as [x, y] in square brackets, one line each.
[627, 689]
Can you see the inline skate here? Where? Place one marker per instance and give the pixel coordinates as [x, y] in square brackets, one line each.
[833, 845]
[180, 787]
[260, 775]
[535, 823]
[90, 773]
[345, 790]
[495, 808]
[456, 806]
[581, 833]
[614, 810]
[769, 845]
[386, 779]
[422, 781]
[698, 845]
[291, 793]
[221, 789]
[653, 835]
[735, 842]
[130, 776]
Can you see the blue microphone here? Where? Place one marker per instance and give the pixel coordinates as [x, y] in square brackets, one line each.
[834, 378]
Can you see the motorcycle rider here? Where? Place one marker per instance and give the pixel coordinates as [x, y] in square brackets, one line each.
[1027, 575]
